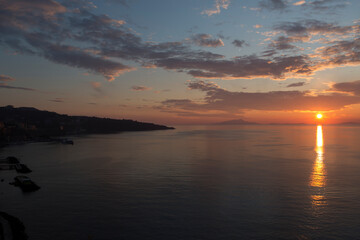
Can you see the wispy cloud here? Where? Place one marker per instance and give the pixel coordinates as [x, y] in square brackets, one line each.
[57, 100]
[297, 84]
[125, 3]
[5, 78]
[290, 34]
[45, 8]
[273, 4]
[206, 40]
[301, 2]
[324, 5]
[219, 4]
[239, 43]
[140, 88]
[5, 86]
[241, 67]
[76, 57]
[313, 5]
[349, 87]
[97, 87]
[311, 27]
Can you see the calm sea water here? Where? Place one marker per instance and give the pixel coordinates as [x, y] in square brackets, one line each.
[199, 182]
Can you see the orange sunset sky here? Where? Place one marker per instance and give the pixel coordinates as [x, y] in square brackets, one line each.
[183, 62]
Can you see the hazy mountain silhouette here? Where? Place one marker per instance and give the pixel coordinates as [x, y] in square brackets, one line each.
[236, 122]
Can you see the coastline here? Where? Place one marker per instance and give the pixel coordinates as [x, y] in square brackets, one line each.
[26, 125]
[59, 139]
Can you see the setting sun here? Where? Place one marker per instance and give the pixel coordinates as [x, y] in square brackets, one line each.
[319, 116]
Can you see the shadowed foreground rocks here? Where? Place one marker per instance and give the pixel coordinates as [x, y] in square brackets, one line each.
[11, 228]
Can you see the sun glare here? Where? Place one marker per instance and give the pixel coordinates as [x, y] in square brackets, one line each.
[319, 116]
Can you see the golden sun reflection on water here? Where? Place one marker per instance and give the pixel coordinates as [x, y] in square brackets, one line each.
[318, 175]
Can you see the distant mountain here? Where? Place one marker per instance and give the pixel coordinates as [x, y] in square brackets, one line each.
[288, 124]
[28, 124]
[236, 122]
[349, 123]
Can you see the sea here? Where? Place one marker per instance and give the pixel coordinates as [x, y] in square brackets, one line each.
[194, 182]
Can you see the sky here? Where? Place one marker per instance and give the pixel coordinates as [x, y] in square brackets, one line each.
[183, 62]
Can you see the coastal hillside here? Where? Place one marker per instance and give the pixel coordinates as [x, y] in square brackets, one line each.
[26, 124]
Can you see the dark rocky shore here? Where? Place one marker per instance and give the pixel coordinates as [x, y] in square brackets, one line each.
[11, 228]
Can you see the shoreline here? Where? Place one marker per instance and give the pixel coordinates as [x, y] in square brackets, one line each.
[59, 139]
